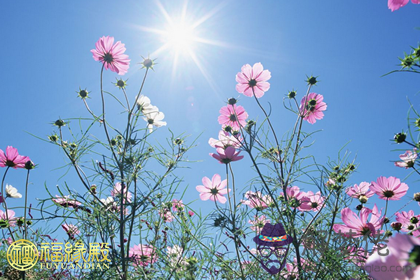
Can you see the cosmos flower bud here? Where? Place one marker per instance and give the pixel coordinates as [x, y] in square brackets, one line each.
[359, 207]
[396, 226]
[121, 84]
[311, 80]
[83, 93]
[291, 94]
[386, 220]
[232, 101]
[414, 220]
[400, 137]
[59, 123]
[53, 138]
[29, 165]
[417, 196]
[363, 199]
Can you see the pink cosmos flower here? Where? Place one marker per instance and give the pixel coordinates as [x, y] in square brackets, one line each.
[12, 158]
[402, 254]
[253, 80]
[389, 188]
[8, 220]
[300, 198]
[313, 202]
[143, 255]
[116, 191]
[191, 213]
[408, 159]
[226, 140]
[355, 226]
[256, 200]
[71, 230]
[312, 107]
[166, 215]
[409, 221]
[67, 202]
[258, 223]
[360, 190]
[226, 155]
[214, 189]
[357, 256]
[111, 55]
[394, 5]
[177, 205]
[233, 116]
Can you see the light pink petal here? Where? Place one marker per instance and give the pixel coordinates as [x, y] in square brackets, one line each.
[264, 76]
[206, 182]
[206, 196]
[216, 180]
[221, 199]
[202, 189]
[247, 71]
[257, 70]
[350, 218]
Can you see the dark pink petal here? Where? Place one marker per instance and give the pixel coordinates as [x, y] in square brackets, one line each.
[394, 5]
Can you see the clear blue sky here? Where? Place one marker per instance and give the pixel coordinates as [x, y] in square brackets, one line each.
[349, 45]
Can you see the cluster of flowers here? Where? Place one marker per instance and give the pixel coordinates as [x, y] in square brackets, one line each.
[176, 205]
[11, 158]
[252, 82]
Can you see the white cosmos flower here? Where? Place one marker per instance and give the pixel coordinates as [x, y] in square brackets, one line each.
[12, 192]
[143, 103]
[154, 118]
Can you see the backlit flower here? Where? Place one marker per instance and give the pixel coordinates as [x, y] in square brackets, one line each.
[66, 201]
[360, 190]
[177, 205]
[258, 223]
[116, 191]
[111, 55]
[255, 200]
[253, 80]
[408, 221]
[153, 118]
[297, 199]
[356, 226]
[226, 155]
[313, 201]
[12, 159]
[389, 188]
[214, 189]
[71, 230]
[175, 256]
[143, 104]
[402, 252]
[225, 140]
[12, 192]
[408, 159]
[312, 107]
[233, 116]
[394, 5]
[8, 220]
[143, 255]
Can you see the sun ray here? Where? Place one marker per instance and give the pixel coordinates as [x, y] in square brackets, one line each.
[164, 12]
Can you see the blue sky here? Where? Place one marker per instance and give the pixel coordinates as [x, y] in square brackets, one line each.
[349, 46]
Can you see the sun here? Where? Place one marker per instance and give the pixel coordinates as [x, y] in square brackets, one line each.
[181, 36]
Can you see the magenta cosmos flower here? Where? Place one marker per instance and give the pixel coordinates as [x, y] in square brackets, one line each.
[12, 158]
[408, 159]
[143, 255]
[253, 80]
[111, 55]
[360, 191]
[214, 189]
[312, 201]
[403, 257]
[177, 205]
[409, 221]
[227, 155]
[71, 230]
[258, 223]
[359, 226]
[256, 200]
[233, 116]
[394, 5]
[312, 107]
[299, 198]
[66, 201]
[389, 188]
